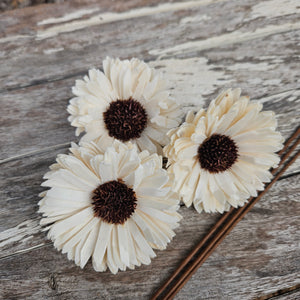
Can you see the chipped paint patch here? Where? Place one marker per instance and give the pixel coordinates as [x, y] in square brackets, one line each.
[275, 8]
[235, 37]
[114, 17]
[192, 79]
[53, 50]
[68, 17]
[251, 66]
[195, 19]
[292, 95]
[20, 233]
[275, 81]
[14, 38]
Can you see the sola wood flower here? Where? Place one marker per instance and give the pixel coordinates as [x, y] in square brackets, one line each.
[113, 206]
[222, 157]
[128, 102]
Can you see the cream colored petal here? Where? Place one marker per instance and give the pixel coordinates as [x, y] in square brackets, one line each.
[143, 79]
[127, 169]
[156, 134]
[64, 237]
[65, 179]
[107, 172]
[131, 248]
[140, 239]
[155, 202]
[115, 250]
[241, 125]
[157, 180]
[113, 261]
[104, 237]
[69, 223]
[146, 231]
[89, 245]
[123, 244]
[150, 191]
[158, 214]
[126, 84]
[73, 246]
[160, 238]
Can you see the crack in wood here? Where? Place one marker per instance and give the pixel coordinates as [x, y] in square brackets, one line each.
[285, 291]
[36, 152]
[42, 81]
[24, 251]
[52, 282]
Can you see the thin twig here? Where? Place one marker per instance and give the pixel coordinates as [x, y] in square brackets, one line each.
[222, 234]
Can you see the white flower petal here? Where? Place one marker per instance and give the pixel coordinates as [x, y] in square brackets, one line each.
[103, 239]
[140, 239]
[89, 245]
[69, 223]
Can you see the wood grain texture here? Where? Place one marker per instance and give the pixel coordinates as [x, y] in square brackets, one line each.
[242, 267]
[202, 47]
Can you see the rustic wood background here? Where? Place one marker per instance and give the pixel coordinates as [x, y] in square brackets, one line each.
[203, 47]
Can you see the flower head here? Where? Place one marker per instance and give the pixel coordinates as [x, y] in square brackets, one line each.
[128, 102]
[114, 205]
[222, 157]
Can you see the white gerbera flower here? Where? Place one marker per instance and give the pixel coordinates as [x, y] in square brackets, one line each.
[222, 157]
[128, 102]
[113, 206]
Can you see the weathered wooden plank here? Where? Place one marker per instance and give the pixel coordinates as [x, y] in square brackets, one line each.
[28, 114]
[35, 118]
[249, 262]
[289, 293]
[19, 222]
[135, 31]
[58, 13]
[21, 180]
[203, 46]
[254, 248]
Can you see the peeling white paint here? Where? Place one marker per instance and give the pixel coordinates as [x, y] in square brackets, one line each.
[191, 79]
[68, 17]
[275, 8]
[252, 66]
[273, 58]
[194, 19]
[254, 81]
[35, 152]
[13, 38]
[24, 230]
[292, 94]
[53, 50]
[113, 17]
[225, 39]
[275, 81]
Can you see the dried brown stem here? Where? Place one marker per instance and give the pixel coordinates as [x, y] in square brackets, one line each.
[219, 231]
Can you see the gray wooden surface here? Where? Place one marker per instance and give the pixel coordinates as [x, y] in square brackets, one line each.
[202, 47]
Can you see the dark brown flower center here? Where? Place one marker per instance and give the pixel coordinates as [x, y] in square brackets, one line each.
[217, 153]
[114, 202]
[125, 119]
